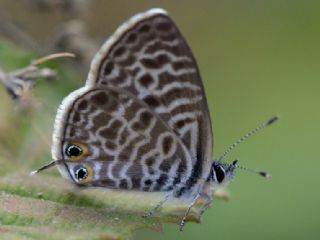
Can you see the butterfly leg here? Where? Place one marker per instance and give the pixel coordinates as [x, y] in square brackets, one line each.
[183, 221]
[160, 203]
[208, 200]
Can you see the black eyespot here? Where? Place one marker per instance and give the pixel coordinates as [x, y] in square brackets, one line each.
[73, 151]
[81, 173]
[220, 173]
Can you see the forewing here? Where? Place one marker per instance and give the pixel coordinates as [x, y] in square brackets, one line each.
[149, 58]
[125, 145]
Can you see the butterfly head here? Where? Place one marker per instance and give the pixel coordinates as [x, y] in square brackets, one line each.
[221, 173]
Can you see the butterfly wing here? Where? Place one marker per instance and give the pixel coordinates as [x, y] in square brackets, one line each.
[122, 143]
[149, 58]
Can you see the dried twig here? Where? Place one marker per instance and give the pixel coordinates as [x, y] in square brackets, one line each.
[20, 83]
[73, 37]
[70, 36]
[53, 56]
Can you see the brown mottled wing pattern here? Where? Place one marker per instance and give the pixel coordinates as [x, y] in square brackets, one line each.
[149, 58]
[118, 131]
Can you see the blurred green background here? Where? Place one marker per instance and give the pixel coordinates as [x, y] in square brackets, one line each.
[257, 58]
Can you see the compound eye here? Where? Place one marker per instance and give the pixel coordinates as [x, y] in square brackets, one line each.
[83, 174]
[220, 173]
[76, 151]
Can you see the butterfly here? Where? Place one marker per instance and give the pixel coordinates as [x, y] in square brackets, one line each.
[142, 121]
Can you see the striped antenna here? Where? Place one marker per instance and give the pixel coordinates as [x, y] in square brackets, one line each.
[249, 134]
[260, 173]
